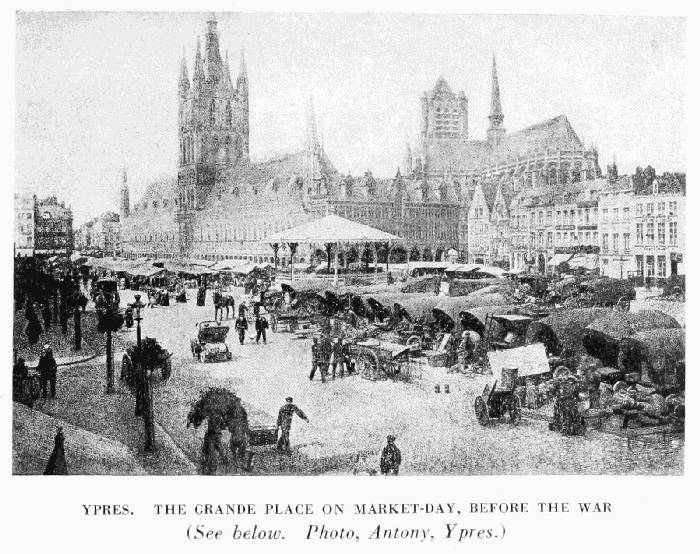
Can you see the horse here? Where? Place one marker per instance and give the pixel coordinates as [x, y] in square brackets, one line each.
[222, 301]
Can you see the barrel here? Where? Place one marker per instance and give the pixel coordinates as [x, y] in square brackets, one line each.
[509, 375]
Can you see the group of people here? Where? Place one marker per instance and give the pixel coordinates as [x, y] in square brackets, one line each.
[330, 354]
[261, 323]
[22, 389]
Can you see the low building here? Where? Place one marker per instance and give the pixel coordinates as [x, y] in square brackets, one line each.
[24, 225]
[100, 235]
[53, 227]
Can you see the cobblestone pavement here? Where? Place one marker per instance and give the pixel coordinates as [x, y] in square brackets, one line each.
[350, 417]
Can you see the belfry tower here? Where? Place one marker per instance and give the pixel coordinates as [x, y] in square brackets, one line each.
[213, 127]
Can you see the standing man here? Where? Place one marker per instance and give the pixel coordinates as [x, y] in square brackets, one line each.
[284, 424]
[325, 351]
[391, 457]
[260, 329]
[47, 372]
[338, 357]
[46, 314]
[315, 359]
[241, 327]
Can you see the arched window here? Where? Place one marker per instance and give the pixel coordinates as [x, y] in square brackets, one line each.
[227, 150]
[229, 114]
[215, 150]
[212, 112]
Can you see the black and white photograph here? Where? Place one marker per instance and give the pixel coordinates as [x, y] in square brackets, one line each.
[348, 244]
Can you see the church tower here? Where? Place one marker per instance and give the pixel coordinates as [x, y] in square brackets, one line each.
[496, 131]
[213, 122]
[124, 198]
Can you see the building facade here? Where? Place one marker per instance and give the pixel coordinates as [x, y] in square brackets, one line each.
[24, 225]
[658, 215]
[53, 227]
[220, 205]
[100, 235]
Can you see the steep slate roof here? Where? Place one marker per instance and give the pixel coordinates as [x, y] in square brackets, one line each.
[471, 155]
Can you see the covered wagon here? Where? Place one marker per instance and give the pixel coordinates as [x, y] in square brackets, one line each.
[602, 337]
[658, 356]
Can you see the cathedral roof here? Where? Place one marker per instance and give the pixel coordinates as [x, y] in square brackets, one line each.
[472, 155]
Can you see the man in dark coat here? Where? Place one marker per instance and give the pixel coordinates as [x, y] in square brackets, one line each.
[33, 328]
[46, 314]
[47, 372]
[241, 327]
[391, 457]
[325, 351]
[315, 359]
[284, 424]
[338, 358]
[260, 329]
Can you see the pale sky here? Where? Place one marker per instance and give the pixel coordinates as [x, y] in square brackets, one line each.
[98, 91]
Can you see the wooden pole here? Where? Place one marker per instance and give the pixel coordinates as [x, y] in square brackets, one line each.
[335, 277]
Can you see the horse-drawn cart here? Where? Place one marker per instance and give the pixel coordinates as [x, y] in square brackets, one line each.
[495, 402]
[375, 359]
[210, 343]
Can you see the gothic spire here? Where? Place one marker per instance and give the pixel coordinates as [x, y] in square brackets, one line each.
[311, 129]
[184, 77]
[242, 81]
[495, 131]
[198, 64]
[227, 71]
[496, 110]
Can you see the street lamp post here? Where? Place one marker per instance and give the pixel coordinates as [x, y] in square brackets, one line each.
[138, 410]
[144, 393]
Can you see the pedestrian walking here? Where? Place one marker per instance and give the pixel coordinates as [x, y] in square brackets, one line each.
[57, 461]
[261, 326]
[47, 372]
[46, 315]
[33, 329]
[284, 424]
[315, 359]
[241, 327]
[391, 457]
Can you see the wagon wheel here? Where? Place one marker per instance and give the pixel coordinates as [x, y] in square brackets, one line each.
[413, 342]
[33, 387]
[369, 365]
[127, 373]
[514, 410]
[623, 304]
[482, 413]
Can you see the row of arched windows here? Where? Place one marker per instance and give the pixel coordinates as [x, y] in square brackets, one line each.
[213, 113]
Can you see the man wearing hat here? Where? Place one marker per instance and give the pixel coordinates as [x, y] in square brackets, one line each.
[47, 372]
[391, 457]
[284, 424]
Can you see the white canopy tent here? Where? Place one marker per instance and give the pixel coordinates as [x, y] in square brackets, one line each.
[332, 229]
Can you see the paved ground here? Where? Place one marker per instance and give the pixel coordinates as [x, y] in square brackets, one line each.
[349, 418]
